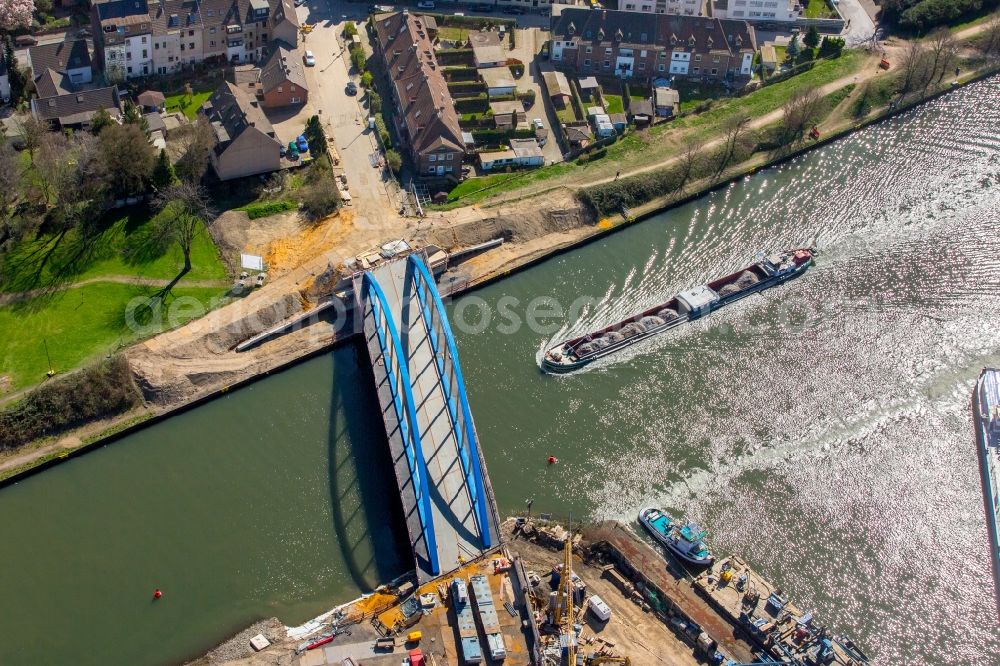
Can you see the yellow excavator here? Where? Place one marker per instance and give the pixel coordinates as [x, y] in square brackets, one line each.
[604, 659]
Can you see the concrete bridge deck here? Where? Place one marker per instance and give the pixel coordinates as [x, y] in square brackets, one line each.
[450, 513]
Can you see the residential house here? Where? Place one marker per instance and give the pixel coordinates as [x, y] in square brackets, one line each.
[680, 7]
[558, 89]
[76, 109]
[508, 114]
[522, 153]
[578, 134]
[619, 121]
[683, 7]
[499, 81]
[758, 11]
[426, 119]
[487, 48]
[283, 77]
[139, 37]
[177, 35]
[245, 143]
[123, 37]
[633, 45]
[666, 101]
[60, 66]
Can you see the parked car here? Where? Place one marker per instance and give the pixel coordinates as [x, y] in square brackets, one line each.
[537, 122]
[309, 59]
[352, 88]
[425, 4]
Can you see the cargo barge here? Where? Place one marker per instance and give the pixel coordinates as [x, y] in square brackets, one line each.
[684, 307]
[986, 413]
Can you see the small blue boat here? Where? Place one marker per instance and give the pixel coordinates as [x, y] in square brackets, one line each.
[686, 541]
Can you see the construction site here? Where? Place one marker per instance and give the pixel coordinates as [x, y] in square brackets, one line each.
[549, 596]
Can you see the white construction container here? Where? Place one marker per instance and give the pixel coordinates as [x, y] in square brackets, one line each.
[601, 610]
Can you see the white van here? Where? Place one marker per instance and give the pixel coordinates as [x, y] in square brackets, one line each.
[601, 610]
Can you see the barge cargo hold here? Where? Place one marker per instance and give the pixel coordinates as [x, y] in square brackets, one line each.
[684, 307]
[986, 413]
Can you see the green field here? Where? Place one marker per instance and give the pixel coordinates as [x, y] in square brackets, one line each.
[82, 323]
[126, 246]
[614, 104]
[187, 104]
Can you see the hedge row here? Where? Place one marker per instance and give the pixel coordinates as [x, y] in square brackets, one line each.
[495, 137]
[608, 198]
[478, 104]
[454, 57]
[454, 74]
[101, 391]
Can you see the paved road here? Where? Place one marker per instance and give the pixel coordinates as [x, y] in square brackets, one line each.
[375, 197]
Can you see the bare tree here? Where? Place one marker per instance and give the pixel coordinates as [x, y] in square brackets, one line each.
[916, 68]
[32, 130]
[734, 128]
[798, 113]
[944, 50]
[184, 212]
[690, 157]
[198, 141]
[53, 165]
[989, 43]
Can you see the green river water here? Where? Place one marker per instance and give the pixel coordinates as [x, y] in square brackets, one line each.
[822, 430]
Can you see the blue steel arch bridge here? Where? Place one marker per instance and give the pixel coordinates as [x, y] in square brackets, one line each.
[448, 502]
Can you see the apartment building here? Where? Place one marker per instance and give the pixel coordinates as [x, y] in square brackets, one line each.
[144, 37]
[758, 10]
[634, 45]
[682, 7]
[426, 120]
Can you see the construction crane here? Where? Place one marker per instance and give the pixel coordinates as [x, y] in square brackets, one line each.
[569, 616]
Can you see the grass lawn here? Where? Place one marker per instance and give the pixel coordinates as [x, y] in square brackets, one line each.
[124, 247]
[473, 190]
[694, 93]
[819, 9]
[83, 323]
[566, 115]
[771, 97]
[614, 104]
[453, 34]
[187, 104]
[781, 53]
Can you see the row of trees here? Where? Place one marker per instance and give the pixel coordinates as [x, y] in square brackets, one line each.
[73, 178]
[922, 15]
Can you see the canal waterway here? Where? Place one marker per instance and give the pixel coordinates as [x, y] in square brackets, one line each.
[821, 429]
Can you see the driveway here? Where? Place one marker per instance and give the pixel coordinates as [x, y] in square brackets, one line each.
[375, 196]
[529, 43]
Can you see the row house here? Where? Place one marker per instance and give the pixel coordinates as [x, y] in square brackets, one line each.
[426, 118]
[124, 42]
[144, 37]
[634, 45]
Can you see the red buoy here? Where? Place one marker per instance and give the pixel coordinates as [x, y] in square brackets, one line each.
[553, 460]
[157, 594]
